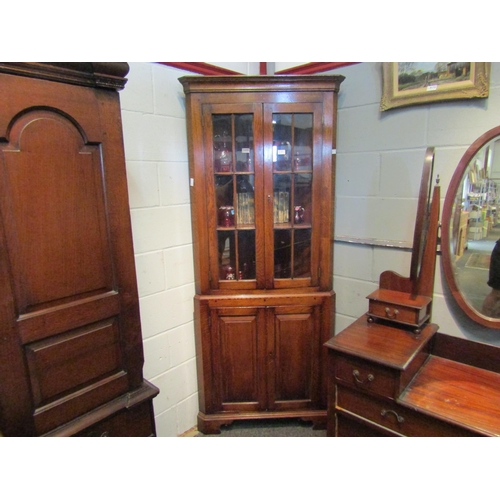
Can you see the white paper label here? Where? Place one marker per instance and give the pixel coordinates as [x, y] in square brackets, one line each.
[191, 182]
[245, 150]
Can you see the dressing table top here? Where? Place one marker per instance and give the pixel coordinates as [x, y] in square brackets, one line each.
[458, 393]
[380, 343]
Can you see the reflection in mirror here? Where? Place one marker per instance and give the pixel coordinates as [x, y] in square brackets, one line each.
[471, 229]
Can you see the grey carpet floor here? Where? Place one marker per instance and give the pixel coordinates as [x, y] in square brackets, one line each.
[268, 428]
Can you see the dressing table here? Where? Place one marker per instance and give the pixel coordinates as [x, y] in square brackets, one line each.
[388, 377]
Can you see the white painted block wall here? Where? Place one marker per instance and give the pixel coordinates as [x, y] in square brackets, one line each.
[379, 163]
[154, 129]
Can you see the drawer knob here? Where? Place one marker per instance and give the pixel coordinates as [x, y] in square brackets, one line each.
[399, 418]
[391, 315]
[356, 374]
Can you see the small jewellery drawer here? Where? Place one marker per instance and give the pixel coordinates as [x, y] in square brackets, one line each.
[366, 376]
[395, 417]
[399, 307]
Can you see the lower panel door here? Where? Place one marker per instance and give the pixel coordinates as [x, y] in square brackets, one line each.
[294, 357]
[239, 353]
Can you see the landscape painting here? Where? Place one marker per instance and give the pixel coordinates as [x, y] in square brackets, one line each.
[410, 83]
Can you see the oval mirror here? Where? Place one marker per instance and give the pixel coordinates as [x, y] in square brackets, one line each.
[471, 228]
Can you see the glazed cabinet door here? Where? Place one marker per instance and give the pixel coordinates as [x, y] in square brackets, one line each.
[234, 209]
[293, 182]
[268, 195]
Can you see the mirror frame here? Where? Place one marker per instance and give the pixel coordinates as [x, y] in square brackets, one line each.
[447, 261]
[422, 218]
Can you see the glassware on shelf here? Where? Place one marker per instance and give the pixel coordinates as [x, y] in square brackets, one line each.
[229, 273]
[226, 216]
[299, 214]
[223, 157]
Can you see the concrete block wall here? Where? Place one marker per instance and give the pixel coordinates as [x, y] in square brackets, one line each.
[154, 129]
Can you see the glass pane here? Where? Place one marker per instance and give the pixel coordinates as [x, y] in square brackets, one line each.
[302, 199]
[302, 141]
[282, 188]
[282, 141]
[245, 202]
[243, 131]
[282, 253]
[227, 255]
[223, 148]
[224, 200]
[246, 255]
[302, 253]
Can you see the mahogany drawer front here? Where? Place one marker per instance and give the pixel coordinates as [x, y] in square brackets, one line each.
[366, 376]
[394, 417]
[399, 313]
[137, 421]
[353, 427]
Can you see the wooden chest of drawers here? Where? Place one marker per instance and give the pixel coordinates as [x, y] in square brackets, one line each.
[387, 381]
[369, 363]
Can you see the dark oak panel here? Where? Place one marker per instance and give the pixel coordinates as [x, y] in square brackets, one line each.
[57, 228]
[66, 362]
[69, 314]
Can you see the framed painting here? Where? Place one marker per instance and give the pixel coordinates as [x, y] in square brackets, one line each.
[411, 83]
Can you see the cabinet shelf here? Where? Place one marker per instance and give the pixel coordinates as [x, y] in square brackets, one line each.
[289, 225]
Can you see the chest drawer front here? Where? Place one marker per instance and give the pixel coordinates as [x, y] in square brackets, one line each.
[137, 421]
[395, 417]
[366, 376]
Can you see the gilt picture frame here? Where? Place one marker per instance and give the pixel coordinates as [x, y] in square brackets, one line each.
[414, 83]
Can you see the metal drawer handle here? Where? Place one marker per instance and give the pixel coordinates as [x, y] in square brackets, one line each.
[389, 314]
[104, 434]
[399, 418]
[369, 378]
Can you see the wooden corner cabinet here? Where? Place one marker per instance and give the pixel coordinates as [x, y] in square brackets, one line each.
[71, 352]
[262, 158]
